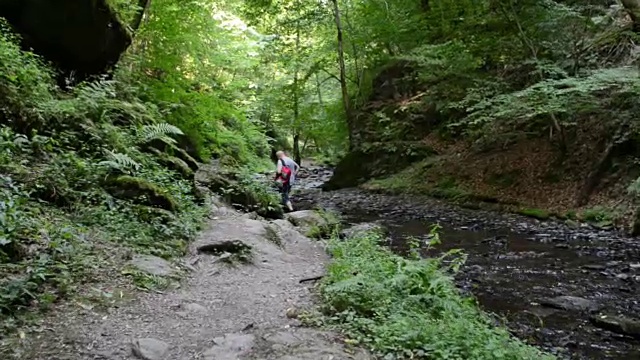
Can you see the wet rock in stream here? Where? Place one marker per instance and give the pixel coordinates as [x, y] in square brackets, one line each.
[618, 324]
[572, 303]
[516, 264]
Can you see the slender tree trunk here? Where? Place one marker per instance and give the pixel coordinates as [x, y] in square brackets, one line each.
[296, 149]
[319, 90]
[296, 103]
[343, 75]
[137, 19]
[354, 48]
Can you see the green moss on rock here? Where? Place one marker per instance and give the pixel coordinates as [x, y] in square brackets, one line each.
[142, 191]
[184, 156]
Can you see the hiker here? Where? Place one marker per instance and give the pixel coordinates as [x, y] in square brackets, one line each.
[286, 170]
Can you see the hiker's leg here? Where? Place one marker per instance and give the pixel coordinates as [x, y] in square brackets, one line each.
[284, 194]
[288, 200]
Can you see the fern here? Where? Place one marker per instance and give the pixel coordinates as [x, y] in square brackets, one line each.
[120, 162]
[161, 131]
[570, 95]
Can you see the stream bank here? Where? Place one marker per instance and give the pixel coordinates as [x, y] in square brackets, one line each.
[546, 280]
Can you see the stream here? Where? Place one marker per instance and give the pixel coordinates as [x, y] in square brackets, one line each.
[543, 279]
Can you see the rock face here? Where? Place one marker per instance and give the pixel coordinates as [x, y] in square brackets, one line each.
[359, 166]
[149, 349]
[381, 147]
[83, 36]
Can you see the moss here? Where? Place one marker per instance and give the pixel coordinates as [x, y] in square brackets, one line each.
[185, 157]
[178, 165]
[535, 213]
[138, 189]
[150, 214]
[175, 163]
[600, 216]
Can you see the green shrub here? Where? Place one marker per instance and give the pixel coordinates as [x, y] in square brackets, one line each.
[410, 307]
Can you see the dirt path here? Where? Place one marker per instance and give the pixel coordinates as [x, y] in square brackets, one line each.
[221, 312]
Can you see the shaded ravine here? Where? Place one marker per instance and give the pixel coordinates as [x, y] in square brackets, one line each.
[517, 266]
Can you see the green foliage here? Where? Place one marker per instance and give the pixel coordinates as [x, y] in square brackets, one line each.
[61, 230]
[599, 216]
[535, 213]
[567, 98]
[207, 87]
[262, 197]
[409, 307]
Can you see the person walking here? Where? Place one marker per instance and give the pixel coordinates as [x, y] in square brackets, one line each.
[286, 170]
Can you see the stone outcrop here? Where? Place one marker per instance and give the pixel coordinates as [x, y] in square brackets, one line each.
[388, 128]
[83, 36]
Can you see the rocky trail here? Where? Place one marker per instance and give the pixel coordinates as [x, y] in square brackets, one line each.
[570, 288]
[240, 301]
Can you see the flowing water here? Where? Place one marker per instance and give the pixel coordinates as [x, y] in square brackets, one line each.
[517, 267]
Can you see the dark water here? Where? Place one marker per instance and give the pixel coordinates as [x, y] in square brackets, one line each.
[510, 274]
[514, 264]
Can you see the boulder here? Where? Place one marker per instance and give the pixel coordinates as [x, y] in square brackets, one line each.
[364, 228]
[226, 184]
[141, 191]
[152, 265]
[149, 349]
[313, 223]
[234, 235]
[230, 347]
[82, 36]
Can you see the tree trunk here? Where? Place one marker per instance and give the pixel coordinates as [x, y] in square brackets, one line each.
[296, 149]
[633, 9]
[296, 102]
[343, 75]
[600, 168]
[137, 19]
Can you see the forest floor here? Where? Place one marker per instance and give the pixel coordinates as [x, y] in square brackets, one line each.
[241, 300]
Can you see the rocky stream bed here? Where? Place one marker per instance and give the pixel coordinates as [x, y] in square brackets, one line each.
[569, 288]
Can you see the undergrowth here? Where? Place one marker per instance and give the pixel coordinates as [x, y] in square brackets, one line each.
[89, 177]
[410, 307]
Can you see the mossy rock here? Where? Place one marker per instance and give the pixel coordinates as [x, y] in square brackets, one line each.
[141, 191]
[226, 184]
[361, 165]
[539, 214]
[184, 156]
[159, 147]
[149, 214]
[173, 163]
[179, 166]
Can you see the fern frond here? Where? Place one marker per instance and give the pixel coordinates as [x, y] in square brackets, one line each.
[158, 131]
[119, 161]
